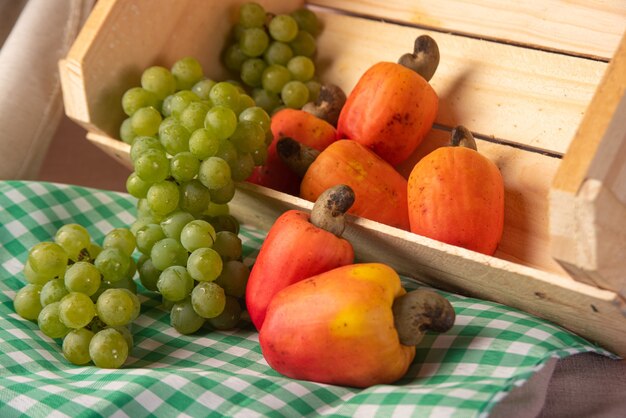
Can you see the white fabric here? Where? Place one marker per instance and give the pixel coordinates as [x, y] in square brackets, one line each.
[30, 98]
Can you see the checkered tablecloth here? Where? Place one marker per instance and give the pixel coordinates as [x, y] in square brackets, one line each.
[465, 372]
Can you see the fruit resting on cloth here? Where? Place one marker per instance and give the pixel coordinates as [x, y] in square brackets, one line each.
[353, 326]
[298, 246]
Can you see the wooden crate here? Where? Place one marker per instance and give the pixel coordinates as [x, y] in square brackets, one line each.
[541, 84]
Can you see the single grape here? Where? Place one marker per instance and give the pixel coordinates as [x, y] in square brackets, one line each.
[175, 137]
[159, 80]
[193, 116]
[108, 349]
[208, 299]
[251, 15]
[53, 291]
[168, 252]
[229, 317]
[259, 156]
[234, 278]
[50, 323]
[227, 152]
[307, 20]
[136, 98]
[173, 224]
[245, 101]
[283, 28]
[175, 283]
[82, 277]
[141, 144]
[27, 301]
[278, 53]
[225, 94]
[224, 222]
[136, 187]
[314, 89]
[152, 166]
[187, 72]
[76, 310]
[194, 197]
[126, 131]
[35, 278]
[148, 275]
[179, 101]
[120, 238]
[197, 234]
[76, 346]
[225, 194]
[127, 334]
[242, 169]
[112, 264]
[295, 94]
[275, 77]
[266, 100]
[228, 245]
[221, 120]
[214, 173]
[147, 235]
[251, 71]
[117, 307]
[163, 197]
[203, 143]
[303, 44]
[184, 319]
[234, 57]
[253, 41]
[248, 136]
[184, 166]
[73, 238]
[49, 259]
[256, 114]
[301, 68]
[202, 88]
[204, 264]
[146, 121]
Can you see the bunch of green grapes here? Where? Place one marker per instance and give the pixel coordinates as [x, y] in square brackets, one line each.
[191, 140]
[83, 294]
[273, 56]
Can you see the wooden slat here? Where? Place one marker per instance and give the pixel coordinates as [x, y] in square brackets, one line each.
[588, 28]
[529, 97]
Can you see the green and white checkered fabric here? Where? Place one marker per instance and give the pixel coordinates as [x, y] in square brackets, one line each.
[465, 372]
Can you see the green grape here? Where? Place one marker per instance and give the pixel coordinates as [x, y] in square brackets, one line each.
[187, 72]
[194, 197]
[148, 275]
[225, 94]
[126, 131]
[234, 57]
[117, 307]
[283, 28]
[307, 20]
[175, 283]
[314, 89]
[184, 319]
[251, 71]
[278, 53]
[229, 317]
[173, 224]
[234, 278]
[214, 173]
[197, 234]
[27, 301]
[223, 222]
[259, 156]
[146, 121]
[136, 98]
[251, 15]
[163, 197]
[275, 77]
[108, 349]
[204, 264]
[224, 194]
[245, 101]
[202, 88]
[295, 94]
[256, 114]
[248, 136]
[147, 235]
[265, 99]
[174, 137]
[130, 274]
[112, 264]
[216, 209]
[159, 80]
[140, 223]
[127, 283]
[35, 278]
[184, 166]
[301, 68]
[127, 334]
[179, 102]
[193, 116]
[303, 44]
[76, 346]
[73, 238]
[203, 143]
[152, 166]
[168, 252]
[94, 250]
[76, 310]
[49, 259]
[208, 299]
[227, 152]
[50, 323]
[243, 168]
[53, 291]
[82, 277]
[120, 238]
[253, 41]
[228, 245]
[144, 143]
[136, 186]
[221, 120]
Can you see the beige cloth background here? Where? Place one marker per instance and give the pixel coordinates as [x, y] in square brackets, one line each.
[38, 142]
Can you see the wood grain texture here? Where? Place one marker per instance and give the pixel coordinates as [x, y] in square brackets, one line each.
[588, 28]
[518, 95]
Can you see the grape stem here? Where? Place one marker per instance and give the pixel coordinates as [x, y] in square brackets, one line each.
[425, 57]
[330, 208]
